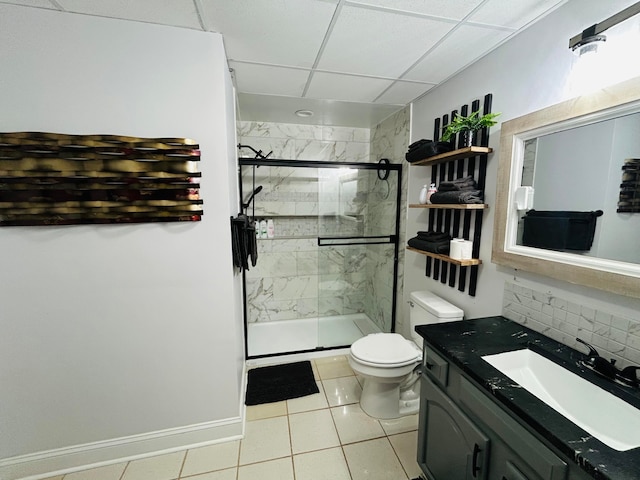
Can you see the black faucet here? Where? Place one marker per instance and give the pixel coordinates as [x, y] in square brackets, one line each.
[599, 364]
[595, 362]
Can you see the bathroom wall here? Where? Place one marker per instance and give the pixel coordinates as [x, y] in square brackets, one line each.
[117, 340]
[390, 139]
[532, 71]
[293, 278]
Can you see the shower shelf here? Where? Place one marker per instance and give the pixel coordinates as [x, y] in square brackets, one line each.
[453, 206]
[462, 263]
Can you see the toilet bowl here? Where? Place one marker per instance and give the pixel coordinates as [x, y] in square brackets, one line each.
[390, 364]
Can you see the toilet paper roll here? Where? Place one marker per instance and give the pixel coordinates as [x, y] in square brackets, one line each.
[455, 248]
[466, 249]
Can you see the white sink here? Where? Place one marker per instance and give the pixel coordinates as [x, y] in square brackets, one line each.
[603, 415]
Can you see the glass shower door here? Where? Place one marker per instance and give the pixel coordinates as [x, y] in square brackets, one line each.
[357, 252]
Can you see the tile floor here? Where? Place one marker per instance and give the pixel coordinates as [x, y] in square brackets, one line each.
[325, 436]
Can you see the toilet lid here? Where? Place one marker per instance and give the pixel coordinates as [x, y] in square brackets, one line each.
[385, 349]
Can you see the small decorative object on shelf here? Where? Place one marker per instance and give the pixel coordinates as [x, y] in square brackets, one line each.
[468, 126]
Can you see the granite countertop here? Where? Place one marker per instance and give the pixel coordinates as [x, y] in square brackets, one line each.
[464, 343]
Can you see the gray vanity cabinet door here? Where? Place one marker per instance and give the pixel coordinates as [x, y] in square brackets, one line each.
[450, 446]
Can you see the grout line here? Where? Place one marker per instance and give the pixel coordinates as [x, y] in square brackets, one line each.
[184, 460]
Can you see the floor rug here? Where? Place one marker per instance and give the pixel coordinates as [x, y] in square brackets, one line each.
[280, 382]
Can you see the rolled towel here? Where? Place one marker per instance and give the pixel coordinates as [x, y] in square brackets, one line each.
[465, 183]
[431, 236]
[463, 196]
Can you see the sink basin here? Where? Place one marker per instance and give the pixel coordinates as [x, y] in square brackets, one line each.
[603, 415]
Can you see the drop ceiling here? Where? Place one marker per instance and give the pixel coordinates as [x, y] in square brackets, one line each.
[352, 62]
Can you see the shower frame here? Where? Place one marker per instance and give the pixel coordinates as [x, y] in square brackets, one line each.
[383, 169]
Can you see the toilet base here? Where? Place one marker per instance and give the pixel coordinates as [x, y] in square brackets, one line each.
[388, 400]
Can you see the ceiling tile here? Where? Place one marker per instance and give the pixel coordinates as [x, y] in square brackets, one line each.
[266, 79]
[181, 13]
[346, 87]
[379, 43]
[463, 47]
[512, 13]
[454, 9]
[403, 92]
[269, 108]
[31, 3]
[284, 32]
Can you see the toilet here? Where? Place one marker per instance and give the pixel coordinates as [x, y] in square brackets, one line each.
[390, 363]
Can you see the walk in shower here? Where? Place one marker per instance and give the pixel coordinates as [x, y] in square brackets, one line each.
[326, 271]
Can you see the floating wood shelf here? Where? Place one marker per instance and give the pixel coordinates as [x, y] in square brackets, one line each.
[454, 155]
[453, 206]
[446, 258]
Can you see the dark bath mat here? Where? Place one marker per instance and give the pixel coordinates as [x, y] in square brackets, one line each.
[280, 382]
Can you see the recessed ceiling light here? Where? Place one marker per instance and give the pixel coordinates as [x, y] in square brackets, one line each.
[304, 113]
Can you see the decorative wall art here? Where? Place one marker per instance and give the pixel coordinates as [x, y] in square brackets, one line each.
[57, 179]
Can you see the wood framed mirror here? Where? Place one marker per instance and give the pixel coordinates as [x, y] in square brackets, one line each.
[599, 118]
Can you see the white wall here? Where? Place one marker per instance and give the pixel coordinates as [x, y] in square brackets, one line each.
[113, 331]
[530, 72]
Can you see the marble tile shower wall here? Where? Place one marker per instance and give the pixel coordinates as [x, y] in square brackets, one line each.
[390, 139]
[612, 335]
[294, 278]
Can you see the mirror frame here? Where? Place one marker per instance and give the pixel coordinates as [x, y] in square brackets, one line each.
[609, 275]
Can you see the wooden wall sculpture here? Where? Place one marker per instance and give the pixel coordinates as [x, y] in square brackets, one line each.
[56, 179]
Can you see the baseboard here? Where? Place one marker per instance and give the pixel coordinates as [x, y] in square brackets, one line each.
[80, 457]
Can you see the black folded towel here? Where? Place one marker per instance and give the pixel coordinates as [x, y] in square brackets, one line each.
[463, 196]
[433, 247]
[464, 183]
[431, 236]
[426, 148]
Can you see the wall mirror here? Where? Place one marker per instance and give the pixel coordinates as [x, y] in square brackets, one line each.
[573, 154]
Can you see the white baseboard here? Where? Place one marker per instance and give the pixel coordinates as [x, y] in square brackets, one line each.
[80, 457]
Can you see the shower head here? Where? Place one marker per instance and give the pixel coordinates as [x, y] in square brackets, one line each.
[255, 192]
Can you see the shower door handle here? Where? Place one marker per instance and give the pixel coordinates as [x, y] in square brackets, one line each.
[362, 240]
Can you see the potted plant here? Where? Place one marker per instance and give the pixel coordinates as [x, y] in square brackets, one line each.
[468, 126]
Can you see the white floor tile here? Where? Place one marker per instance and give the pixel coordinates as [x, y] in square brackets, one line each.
[266, 410]
[400, 425]
[406, 447]
[109, 472]
[211, 458]
[280, 469]
[265, 440]
[333, 367]
[57, 477]
[229, 474]
[312, 431]
[162, 467]
[308, 403]
[342, 390]
[354, 425]
[373, 460]
[321, 465]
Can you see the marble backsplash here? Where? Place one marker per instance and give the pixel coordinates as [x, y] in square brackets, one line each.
[612, 335]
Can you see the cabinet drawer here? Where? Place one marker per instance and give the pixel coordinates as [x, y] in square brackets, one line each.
[524, 446]
[435, 366]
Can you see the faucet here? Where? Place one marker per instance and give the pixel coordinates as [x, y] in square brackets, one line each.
[608, 369]
[598, 364]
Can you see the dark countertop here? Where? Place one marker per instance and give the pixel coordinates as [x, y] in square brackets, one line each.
[464, 343]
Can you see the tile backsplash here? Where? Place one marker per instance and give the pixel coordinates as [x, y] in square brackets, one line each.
[612, 335]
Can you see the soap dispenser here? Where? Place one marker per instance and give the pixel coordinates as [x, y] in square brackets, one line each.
[431, 191]
[423, 195]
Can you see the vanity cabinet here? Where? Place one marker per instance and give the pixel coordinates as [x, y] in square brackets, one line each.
[450, 445]
[464, 434]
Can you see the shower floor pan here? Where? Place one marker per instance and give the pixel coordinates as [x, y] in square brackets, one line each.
[286, 336]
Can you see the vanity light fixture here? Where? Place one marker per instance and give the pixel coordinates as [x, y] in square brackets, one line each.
[588, 40]
[304, 113]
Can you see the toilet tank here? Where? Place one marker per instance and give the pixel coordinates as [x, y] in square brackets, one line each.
[427, 308]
